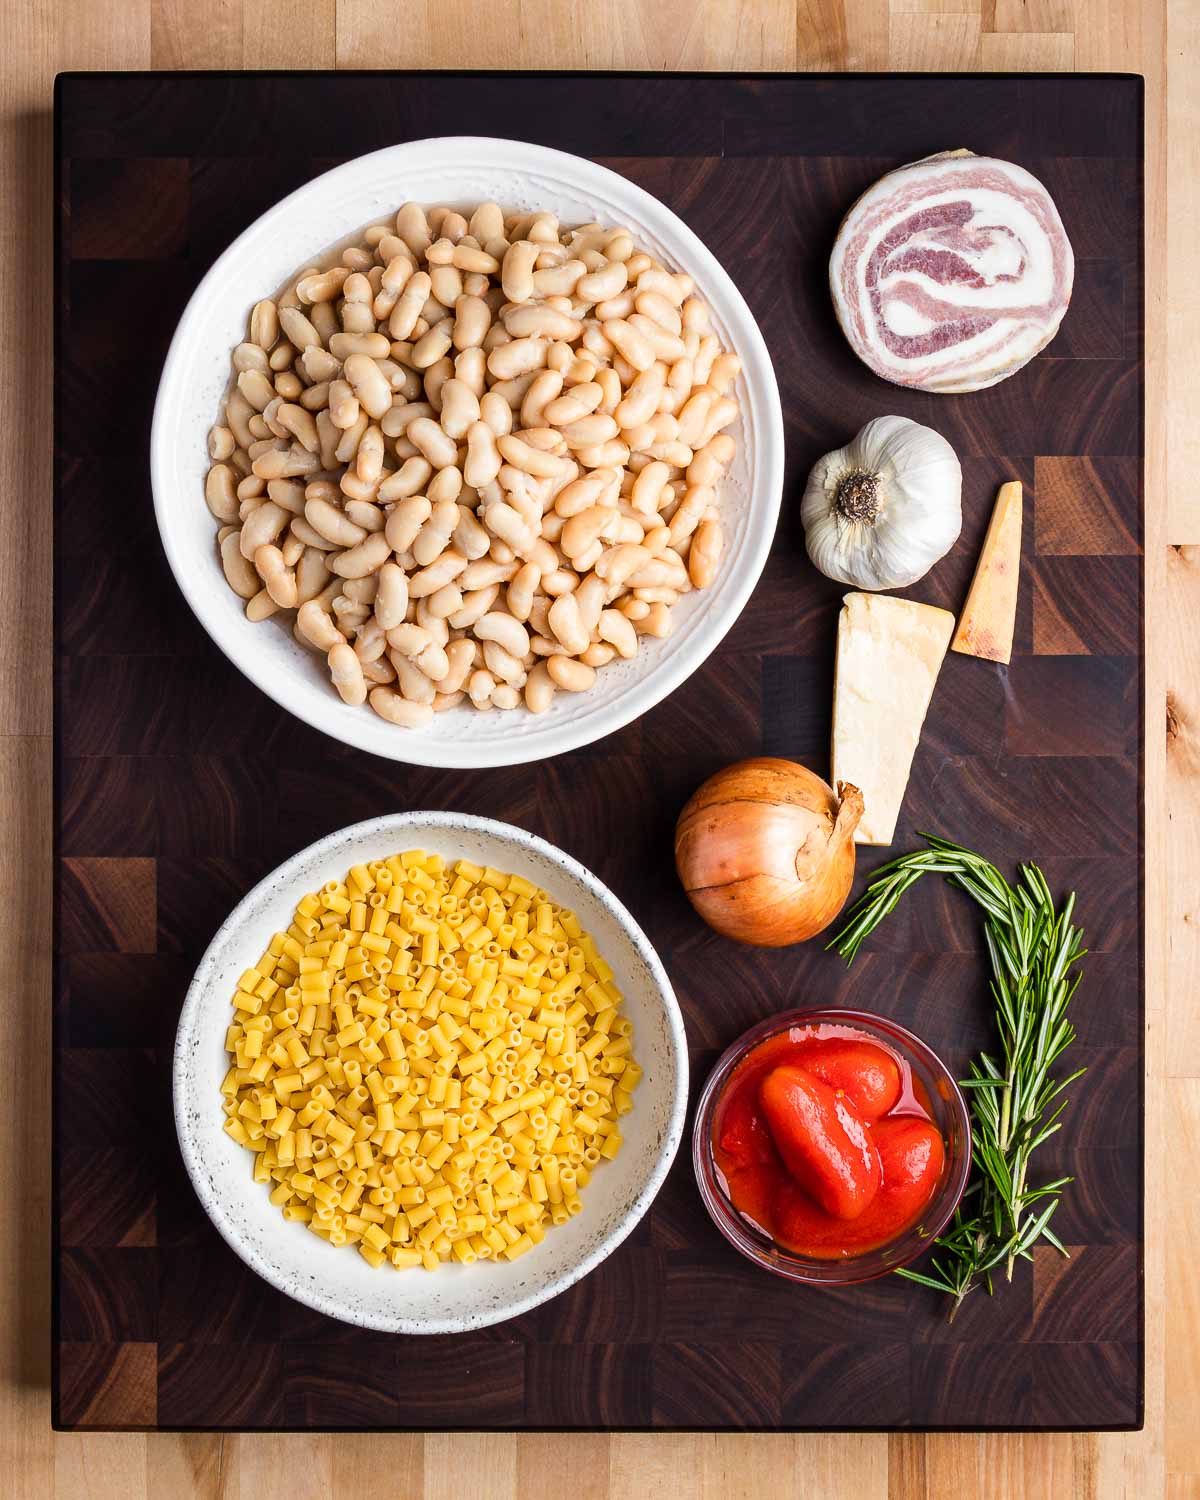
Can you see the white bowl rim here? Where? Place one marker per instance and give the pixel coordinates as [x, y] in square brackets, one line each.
[672, 1138]
[674, 669]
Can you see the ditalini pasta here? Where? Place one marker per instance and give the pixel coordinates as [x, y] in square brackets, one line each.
[429, 1063]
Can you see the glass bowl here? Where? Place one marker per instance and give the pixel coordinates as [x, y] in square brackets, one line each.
[949, 1113]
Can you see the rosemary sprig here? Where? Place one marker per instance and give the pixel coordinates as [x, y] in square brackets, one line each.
[1016, 1101]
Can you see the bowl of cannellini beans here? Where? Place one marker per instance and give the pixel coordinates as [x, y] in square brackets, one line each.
[429, 1073]
[468, 452]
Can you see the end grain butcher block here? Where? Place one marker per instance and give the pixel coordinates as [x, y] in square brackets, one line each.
[179, 785]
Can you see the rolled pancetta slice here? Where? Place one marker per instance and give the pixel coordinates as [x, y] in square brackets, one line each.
[951, 273]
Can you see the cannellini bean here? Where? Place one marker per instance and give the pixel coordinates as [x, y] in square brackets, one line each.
[599, 285]
[264, 324]
[261, 607]
[436, 533]
[694, 414]
[506, 631]
[472, 319]
[412, 475]
[630, 342]
[539, 689]
[541, 321]
[431, 578]
[240, 573]
[696, 500]
[391, 598]
[370, 642]
[300, 331]
[446, 484]
[507, 523]
[389, 705]
[316, 626]
[364, 513]
[362, 559]
[470, 537]
[412, 682]
[517, 357]
[641, 400]
[476, 603]
[483, 457]
[710, 461]
[618, 631]
[566, 624]
[656, 622]
[570, 674]
[503, 664]
[460, 658]
[665, 346]
[646, 494]
[433, 662]
[368, 461]
[278, 578]
[221, 443]
[660, 572]
[312, 574]
[584, 528]
[406, 521]
[530, 459]
[403, 317]
[705, 553]
[431, 346]
[410, 639]
[369, 384]
[396, 419]
[580, 401]
[543, 390]
[346, 671]
[329, 522]
[480, 687]
[220, 491]
[432, 442]
[262, 527]
[521, 589]
[516, 271]
[323, 287]
[460, 409]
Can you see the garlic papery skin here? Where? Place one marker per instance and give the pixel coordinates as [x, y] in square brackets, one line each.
[878, 513]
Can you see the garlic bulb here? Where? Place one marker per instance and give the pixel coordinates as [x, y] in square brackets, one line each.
[878, 513]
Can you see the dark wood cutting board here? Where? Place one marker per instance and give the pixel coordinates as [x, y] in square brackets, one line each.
[179, 784]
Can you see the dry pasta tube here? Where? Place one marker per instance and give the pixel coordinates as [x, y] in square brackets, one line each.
[429, 1063]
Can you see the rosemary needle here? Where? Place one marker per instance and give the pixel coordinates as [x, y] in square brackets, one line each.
[1016, 1100]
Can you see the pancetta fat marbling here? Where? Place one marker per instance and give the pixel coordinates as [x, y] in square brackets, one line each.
[951, 273]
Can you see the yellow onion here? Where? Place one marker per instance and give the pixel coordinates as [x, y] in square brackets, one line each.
[765, 851]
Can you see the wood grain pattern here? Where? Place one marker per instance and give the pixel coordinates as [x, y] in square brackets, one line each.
[1152, 36]
[180, 785]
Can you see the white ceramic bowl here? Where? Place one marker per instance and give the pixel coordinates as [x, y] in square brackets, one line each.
[337, 1281]
[461, 171]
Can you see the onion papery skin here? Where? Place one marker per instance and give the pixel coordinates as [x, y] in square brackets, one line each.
[765, 851]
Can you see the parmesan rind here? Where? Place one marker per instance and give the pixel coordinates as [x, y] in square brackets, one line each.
[889, 654]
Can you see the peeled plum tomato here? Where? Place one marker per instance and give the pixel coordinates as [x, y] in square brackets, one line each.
[911, 1155]
[867, 1075]
[822, 1139]
[744, 1137]
[911, 1152]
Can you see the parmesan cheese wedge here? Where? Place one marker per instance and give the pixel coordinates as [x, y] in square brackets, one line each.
[889, 653]
[989, 616]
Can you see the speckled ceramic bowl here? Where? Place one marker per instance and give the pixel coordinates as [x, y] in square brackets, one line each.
[454, 1298]
[300, 230]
